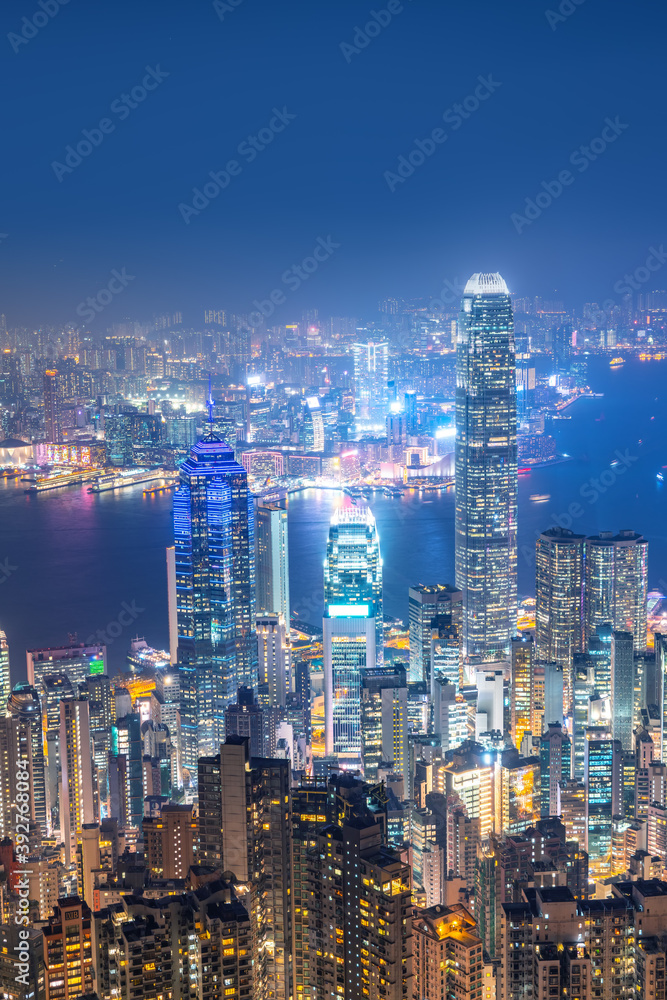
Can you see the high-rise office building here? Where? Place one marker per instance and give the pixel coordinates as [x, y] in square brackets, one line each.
[384, 729]
[555, 767]
[126, 776]
[77, 801]
[273, 559]
[52, 424]
[273, 657]
[559, 595]
[353, 569]
[313, 425]
[78, 661]
[602, 778]
[214, 536]
[371, 376]
[246, 718]
[352, 625]
[486, 468]
[522, 686]
[615, 587]
[622, 688]
[429, 608]
[118, 439]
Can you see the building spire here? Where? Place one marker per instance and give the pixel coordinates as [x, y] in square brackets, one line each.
[210, 405]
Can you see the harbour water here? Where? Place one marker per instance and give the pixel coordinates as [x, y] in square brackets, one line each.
[70, 561]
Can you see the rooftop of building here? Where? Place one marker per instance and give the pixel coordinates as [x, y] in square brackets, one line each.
[556, 894]
[650, 888]
[486, 283]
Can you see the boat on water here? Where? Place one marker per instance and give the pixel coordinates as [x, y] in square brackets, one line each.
[616, 362]
[540, 497]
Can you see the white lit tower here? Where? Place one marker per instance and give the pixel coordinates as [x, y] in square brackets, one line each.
[486, 468]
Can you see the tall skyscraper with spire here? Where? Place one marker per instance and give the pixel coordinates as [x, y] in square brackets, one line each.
[352, 625]
[215, 591]
[486, 468]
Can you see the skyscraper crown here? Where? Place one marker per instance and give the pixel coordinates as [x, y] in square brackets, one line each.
[486, 284]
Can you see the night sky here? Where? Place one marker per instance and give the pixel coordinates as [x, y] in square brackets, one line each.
[220, 71]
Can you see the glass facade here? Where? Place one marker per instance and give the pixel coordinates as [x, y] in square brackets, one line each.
[486, 468]
[371, 375]
[214, 538]
[616, 568]
[559, 564]
[352, 625]
[603, 801]
[353, 569]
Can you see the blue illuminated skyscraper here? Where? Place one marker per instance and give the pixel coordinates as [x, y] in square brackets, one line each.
[486, 468]
[215, 592]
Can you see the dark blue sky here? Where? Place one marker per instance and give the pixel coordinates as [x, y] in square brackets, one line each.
[323, 175]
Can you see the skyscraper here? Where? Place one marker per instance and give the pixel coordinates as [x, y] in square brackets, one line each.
[352, 624]
[522, 689]
[273, 558]
[602, 778]
[371, 375]
[52, 406]
[616, 584]
[555, 766]
[214, 536]
[273, 658]
[559, 576]
[426, 604]
[486, 468]
[353, 568]
[24, 706]
[622, 688]
[77, 805]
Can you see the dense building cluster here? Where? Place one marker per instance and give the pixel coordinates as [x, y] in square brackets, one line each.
[471, 805]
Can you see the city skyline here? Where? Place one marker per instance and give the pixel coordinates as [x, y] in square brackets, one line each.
[333, 563]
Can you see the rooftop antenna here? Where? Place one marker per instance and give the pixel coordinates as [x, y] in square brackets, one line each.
[210, 404]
